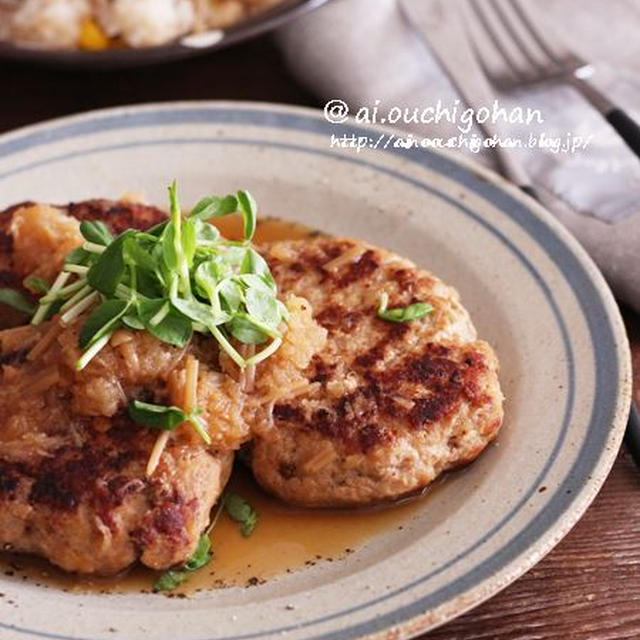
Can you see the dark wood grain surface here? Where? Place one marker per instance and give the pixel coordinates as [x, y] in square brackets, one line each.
[588, 587]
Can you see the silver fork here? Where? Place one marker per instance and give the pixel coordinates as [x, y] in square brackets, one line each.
[517, 47]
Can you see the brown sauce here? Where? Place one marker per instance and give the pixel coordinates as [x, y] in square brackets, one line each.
[286, 538]
[267, 229]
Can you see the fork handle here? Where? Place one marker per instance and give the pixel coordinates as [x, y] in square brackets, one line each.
[626, 126]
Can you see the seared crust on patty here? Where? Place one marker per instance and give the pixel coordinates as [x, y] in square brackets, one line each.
[42, 248]
[73, 481]
[379, 411]
[88, 506]
[389, 406]
[118, 215]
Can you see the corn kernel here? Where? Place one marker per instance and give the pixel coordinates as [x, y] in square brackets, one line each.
[92, 37]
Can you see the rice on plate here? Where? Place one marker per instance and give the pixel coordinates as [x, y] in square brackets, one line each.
[100, 24]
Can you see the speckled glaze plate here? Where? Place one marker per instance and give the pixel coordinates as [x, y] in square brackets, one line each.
[531, 290]
[185, 47]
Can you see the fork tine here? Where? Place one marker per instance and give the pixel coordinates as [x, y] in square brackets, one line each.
[489, 56]
[544, 33]
[492, 22]
[485, 46]
[521, 33]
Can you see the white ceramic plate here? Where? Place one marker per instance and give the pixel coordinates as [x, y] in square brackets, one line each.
[531, 291]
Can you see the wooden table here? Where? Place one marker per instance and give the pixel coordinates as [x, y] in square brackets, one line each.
[588, 587]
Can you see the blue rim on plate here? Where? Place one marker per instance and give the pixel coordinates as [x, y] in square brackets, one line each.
[612, 391]
[122, 57]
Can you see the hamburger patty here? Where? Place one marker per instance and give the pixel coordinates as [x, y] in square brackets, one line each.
[73, 486]
[73, 481]
[388, 406]
[350, 410]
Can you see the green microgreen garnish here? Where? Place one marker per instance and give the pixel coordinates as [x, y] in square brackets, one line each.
[36, 284]
[96, 233]
[173, 578]
[108, 268]
[240, 511]
[102, 321]
[179, 277]
[159, 416]
[249, 209]
[17, 300]
[402, 314]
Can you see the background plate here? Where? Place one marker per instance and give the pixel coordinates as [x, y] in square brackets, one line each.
[130, 57]
[531, 290]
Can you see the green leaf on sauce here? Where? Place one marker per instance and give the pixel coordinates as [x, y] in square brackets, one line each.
[240, 511]
[173, 578]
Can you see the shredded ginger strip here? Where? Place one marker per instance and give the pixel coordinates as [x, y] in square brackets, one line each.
[350, 255]
[190, 402]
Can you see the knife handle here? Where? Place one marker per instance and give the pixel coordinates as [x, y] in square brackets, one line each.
[632, 435]
[627, 127]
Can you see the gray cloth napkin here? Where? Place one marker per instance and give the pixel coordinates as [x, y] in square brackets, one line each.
[361, 51]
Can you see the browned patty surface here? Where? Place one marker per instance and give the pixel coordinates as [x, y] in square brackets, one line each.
[380, 410]
[73, 481]
[73, 486]
[48, 250]
[389, 406]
